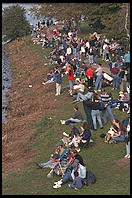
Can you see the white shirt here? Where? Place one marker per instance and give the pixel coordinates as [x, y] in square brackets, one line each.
[68, 51]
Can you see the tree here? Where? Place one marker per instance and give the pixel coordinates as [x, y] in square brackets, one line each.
[14, 22]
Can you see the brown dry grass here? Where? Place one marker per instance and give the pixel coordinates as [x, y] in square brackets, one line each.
[27, 105]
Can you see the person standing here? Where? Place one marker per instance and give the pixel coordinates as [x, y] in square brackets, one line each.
[127, 59]
[98, 82]
[115, 71]
[70, 78]
[95, 113]
[89, 75]
[87, 110]
[106, 99]
[127, 140]
[58, 79]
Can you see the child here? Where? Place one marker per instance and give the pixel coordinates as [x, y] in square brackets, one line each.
[77, 183]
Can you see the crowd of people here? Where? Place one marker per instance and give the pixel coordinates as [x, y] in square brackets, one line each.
[78, 59]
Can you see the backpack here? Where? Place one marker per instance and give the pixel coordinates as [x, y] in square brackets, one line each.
[90, 178]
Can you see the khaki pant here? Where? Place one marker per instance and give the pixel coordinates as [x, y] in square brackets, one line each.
[58, 89]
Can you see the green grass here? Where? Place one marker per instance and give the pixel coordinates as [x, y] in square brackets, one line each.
[101, 158]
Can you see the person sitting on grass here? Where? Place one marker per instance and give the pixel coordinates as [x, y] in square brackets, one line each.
[76, 118]
[54, 157]
[85, 135]
[79, 87]
[81, 97]
[119, 135]
[69, 175]
[72, 138]
[77, 182]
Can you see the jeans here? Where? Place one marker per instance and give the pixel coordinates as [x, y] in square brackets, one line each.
[127, 84]
[72, 186]
[72, 120]
[96, 114]
[128, 148]
[115, 81]
[90, 59]
[111, 65]
[108, 109]
[98, 82]
[50, 164]
[74, 50]
[49, 81]
[80, 96]
[120, 138]
[71, 84]
[67, 177]
[104, 55]
[95, 59]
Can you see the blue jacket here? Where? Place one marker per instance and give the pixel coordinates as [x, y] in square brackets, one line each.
[57, 77]
[77, 182]
[86, 135]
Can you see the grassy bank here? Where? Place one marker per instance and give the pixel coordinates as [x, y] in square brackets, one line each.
[33, 135]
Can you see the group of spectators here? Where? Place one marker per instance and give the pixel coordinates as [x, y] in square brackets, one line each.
[78, 59]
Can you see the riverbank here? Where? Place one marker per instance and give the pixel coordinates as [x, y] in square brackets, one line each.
[26, 105]
[32, 134]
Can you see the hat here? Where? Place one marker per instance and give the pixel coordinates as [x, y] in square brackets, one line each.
[78, 79]
[59, 144]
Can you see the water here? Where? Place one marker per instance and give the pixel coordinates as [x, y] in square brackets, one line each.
[6, 71]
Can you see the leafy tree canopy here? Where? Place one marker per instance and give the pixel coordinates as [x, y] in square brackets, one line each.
[108, 18]
[14, 22]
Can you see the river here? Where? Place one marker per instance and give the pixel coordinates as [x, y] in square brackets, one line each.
[6, 70]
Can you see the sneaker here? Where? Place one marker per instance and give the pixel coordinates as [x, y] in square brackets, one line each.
[58, 182]
[91, 140]
[43, 83]
[74, 101]
[78, 150]
[126, 156]
[65, 134]
[62, 121]
[57, 186]
[38, 165]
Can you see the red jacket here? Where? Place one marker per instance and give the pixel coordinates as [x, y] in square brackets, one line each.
[89, 72]
[115, 70]
[71, 74]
